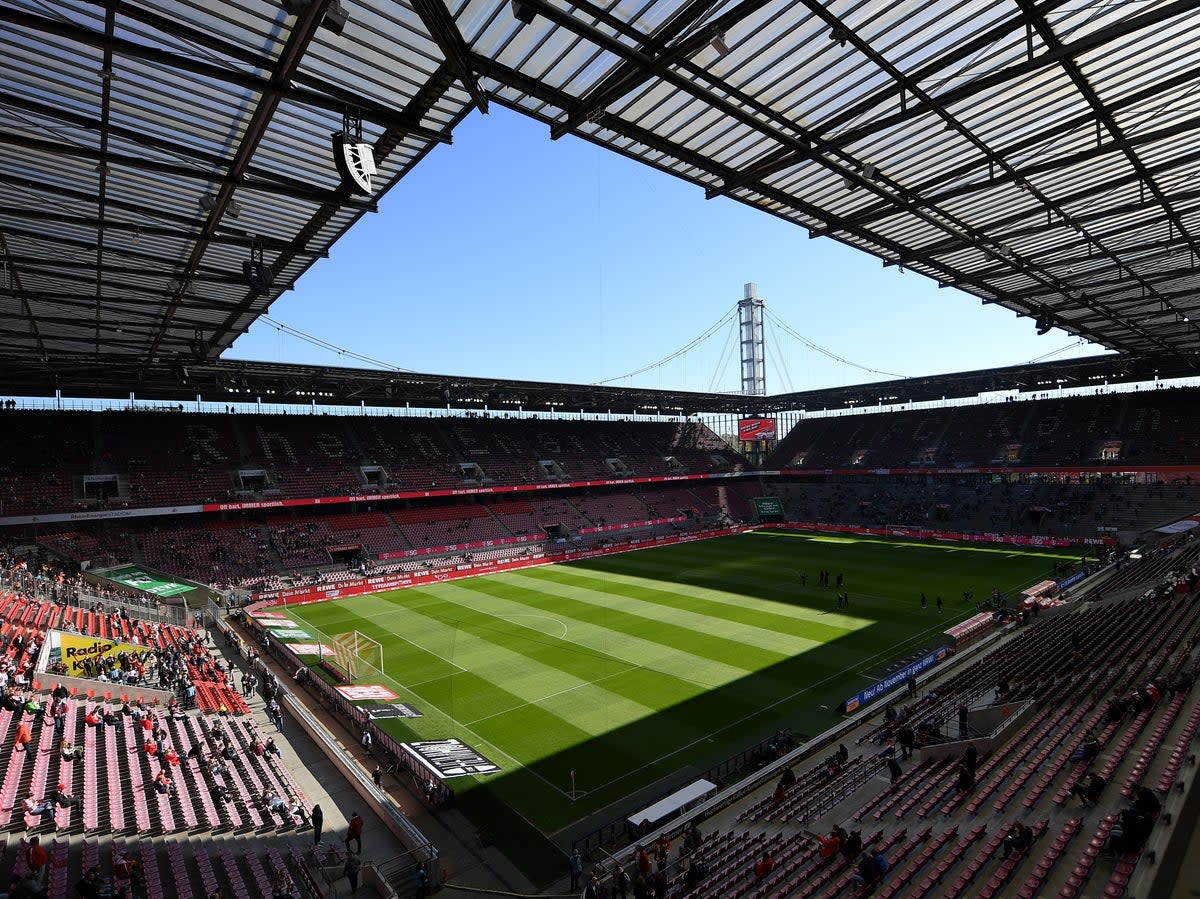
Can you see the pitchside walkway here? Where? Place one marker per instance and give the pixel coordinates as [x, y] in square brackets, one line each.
[462, 858]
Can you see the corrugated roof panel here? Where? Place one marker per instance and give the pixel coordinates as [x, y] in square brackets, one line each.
[1021, 203]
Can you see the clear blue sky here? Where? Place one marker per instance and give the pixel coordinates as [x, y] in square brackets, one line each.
[510, 255]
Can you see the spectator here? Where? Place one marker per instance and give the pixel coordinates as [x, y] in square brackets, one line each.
[90, 886]
[70, 752]
[420, 882]
[317, 817]
[354, 832]
[37, 858]
[1086, 750]
[124, 867]
[592, 889]
[24, 736]
[575, 865]
[1089, 787]
[282, 886]
[852, 845]
[621, 882]
[642, 858]
[894, 769]
[377, 776]
[63, 799]
[866, 870]
[964, 778]
[829, 846]
[1147, 803]
[1130, 833]
[764, 865]
[1018, 840]
[351, 869]
[163, 783]
[971, 758]
[26, 887]
[35, 807]
[692, 838]
[905, 738]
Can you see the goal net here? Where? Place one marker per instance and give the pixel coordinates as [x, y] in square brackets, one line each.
[354, 650]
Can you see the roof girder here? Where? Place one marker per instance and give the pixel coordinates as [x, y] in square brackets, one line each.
[975, 86]
[330, 98]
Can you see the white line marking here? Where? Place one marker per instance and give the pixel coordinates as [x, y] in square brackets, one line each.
[558, 621]
[542, 699]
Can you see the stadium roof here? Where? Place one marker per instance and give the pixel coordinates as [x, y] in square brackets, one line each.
[231, 381]
[1039, 155]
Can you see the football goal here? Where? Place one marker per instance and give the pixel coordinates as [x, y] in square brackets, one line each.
[353, 651]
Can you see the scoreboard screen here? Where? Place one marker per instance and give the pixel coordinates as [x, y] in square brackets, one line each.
[768, 507]
[756, 429]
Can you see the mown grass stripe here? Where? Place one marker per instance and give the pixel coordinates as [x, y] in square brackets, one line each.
[600, 627]
[660, 664]
[635, 611]
[805, 615]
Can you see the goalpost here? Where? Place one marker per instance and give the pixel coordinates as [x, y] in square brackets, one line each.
[353, 647]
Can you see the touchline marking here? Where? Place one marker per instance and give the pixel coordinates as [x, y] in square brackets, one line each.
[479, 741]
[936, 628]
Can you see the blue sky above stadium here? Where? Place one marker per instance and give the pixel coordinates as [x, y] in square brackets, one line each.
[510, 255]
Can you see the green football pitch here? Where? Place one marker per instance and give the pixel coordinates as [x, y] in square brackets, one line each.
[628, 668]
[135, 577]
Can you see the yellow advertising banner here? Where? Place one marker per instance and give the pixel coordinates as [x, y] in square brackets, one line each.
[76, 648]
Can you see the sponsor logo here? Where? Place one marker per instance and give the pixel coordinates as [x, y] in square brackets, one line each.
[94, 649]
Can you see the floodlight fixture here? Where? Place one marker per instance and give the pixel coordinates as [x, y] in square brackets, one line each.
[1044, 324]
[354, 157]
[258, 275]
[718, 43]
[523, 12]
[208, 202]
[869, 172]
[199, 346]
[336, 18]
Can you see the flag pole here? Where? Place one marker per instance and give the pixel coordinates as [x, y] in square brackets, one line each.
[572, 784]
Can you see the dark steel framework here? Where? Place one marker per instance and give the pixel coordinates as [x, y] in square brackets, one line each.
[230, 381]
[1038, 155]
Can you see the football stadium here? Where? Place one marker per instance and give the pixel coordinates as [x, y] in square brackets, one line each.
[327, 625]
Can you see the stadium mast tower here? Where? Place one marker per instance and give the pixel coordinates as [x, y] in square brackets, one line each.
[754, 365]
[750, 330]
